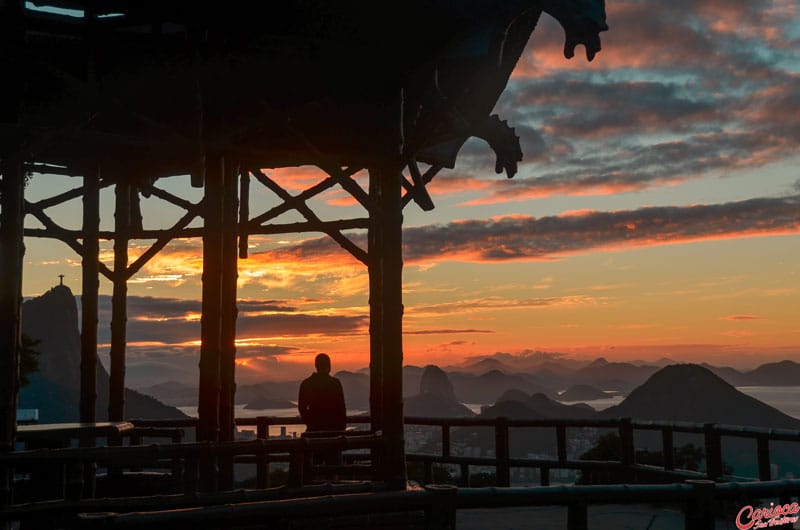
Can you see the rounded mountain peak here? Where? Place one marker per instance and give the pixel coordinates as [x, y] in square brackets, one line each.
[435, 381]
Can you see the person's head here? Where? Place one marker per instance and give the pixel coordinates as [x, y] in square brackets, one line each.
[323, 363]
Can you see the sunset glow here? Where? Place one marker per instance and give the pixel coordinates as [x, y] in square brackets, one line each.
[656, 214]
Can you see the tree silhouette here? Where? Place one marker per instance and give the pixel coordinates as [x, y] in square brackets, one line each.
[28, 359]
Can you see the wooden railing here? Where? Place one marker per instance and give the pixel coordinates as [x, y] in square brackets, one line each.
[712, 435]
[182, 461]
[438, 505]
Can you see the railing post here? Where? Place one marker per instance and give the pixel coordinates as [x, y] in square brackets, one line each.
[464, 479]
[544, 476]
[428, 473]
[561, 442]
[700, 508]
[262, 463]
[501, 452]
[764, 467]
[190, 475]
[668, 449]
[713, 447]
[628, 457]
[177, 466]
[577, 516]
[445, 439]
[442, 511]
[300, 462]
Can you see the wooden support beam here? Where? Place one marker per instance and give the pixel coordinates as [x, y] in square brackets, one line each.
[289, 205]
[350, 186]
[169, 197]
[164, 238]
[418, 180]
[70, 237]
[390, 225]
[211, 320]
[90, 267]
[310, 216]
[119, 301]
[12, 251]
[244, 212]
[229, 313]
[374, 251]
[61, 198]
[418, 191]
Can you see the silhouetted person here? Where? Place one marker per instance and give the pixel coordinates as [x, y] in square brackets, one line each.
[321, 399]
[321, 404]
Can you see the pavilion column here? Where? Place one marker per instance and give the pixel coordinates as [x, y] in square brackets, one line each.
[374, 250]
[390, 256]
[12, 250]
[229, 313]
[211, 321]
[90, 269]
[119, 302]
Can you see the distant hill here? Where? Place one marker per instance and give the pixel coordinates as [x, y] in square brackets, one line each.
[693, 393]
[536, 406]
[582, 393]
[435, 381]
[173, 393]
[52, 318]
[356, 389]
[513, 394]
[436, 397]
[266, 402]
[486, 388]
[783, 373]
[485, 365]
[689, 392]
[730, 375]
[613, 375]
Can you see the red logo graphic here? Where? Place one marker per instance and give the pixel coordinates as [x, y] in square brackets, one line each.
[749, 517]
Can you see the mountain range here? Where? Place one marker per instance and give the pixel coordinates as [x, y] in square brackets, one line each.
[54, 390]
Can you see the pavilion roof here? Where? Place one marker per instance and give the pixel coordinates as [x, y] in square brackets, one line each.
[146, 87]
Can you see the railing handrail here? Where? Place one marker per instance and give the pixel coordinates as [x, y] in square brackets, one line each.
[441, 503]
[256, 447]
[638, 424]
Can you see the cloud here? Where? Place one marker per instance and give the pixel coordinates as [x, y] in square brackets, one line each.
[742, 317]
[445, 331]
[171, 321]
[548, 238]
[527, 238]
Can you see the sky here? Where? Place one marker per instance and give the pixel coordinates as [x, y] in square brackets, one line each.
[656, 214]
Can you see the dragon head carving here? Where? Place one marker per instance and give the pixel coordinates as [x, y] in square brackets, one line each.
[582, 20]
